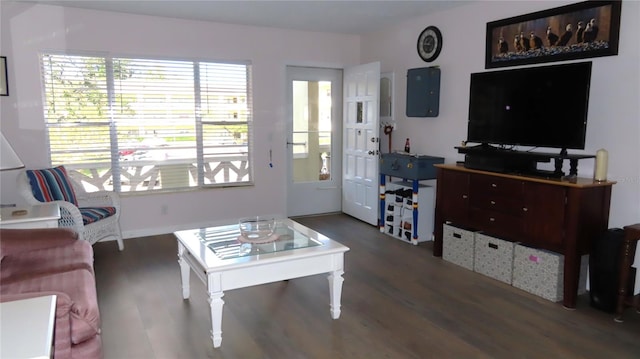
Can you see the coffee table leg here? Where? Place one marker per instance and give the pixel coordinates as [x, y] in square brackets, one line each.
[216, 303]
[185, 270]
[335, 292]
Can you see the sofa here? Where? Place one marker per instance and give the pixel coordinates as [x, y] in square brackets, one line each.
[38, 262]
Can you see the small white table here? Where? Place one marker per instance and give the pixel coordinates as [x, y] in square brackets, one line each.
[44, 215]
[26, 327]
[223, 262]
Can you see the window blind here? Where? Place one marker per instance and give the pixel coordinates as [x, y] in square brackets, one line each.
[130, 124]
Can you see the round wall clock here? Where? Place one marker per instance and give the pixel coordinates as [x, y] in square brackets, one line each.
[429, 43]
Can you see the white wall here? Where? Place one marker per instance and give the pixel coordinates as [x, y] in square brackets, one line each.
[614, 114]
[27, 29]
[614, 109]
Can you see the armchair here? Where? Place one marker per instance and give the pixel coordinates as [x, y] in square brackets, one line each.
[93, 215]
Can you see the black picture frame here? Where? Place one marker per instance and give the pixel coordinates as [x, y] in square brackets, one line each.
[4, 83]
[505, 48]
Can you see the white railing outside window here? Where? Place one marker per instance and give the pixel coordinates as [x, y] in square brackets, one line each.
[131, 124]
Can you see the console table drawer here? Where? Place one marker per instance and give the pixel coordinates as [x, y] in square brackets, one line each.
[512, 205]
[495, 187]
[497, 223]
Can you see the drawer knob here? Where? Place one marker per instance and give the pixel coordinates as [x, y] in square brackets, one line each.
[494, 185]
[524, 209]
[465, 196]
[492, 219]
[493, 202]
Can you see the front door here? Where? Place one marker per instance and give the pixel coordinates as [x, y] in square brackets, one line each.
[314, 140]
[361, 143]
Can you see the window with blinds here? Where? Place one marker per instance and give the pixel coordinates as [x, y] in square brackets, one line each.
[130, 124]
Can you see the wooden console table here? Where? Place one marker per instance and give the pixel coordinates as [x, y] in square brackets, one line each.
[558, 215]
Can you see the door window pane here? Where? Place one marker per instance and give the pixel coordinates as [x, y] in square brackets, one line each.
[311, 131]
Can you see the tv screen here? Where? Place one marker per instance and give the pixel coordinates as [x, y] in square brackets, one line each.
[537, 106]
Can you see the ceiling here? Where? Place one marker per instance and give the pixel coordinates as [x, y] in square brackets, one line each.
[337, 16]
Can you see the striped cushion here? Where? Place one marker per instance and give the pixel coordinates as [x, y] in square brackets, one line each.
[93, 214]
[51, 184]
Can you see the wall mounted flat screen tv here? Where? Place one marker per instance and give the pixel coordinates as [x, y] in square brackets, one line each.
[536, 106]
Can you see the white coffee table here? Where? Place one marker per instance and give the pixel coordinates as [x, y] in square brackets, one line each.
[223, 262]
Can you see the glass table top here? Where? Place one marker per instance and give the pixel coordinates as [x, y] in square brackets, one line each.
[225, 241]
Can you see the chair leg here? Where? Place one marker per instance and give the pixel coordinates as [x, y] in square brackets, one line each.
[119, 238]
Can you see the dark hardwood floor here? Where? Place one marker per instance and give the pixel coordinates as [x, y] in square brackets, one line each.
[398, 301]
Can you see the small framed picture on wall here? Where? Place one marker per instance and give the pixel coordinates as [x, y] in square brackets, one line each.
[4, 84]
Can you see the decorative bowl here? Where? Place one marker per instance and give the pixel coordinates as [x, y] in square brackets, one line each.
[257, 229]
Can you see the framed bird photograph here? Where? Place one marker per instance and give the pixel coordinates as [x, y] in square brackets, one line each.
[576, 31]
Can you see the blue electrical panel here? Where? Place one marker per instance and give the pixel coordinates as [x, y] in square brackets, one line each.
[423, 92]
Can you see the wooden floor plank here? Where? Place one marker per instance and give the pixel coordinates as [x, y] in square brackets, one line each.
[398, 301]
